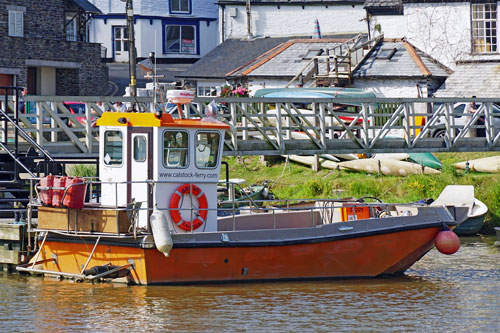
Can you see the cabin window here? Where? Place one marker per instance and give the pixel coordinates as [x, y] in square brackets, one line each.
[207, 149]
[175, 149]
[139, 148]
[113, 148]
[180, 6]
[180, 39]
[484, 27]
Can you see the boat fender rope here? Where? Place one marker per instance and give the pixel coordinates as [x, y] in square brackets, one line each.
[175, 202]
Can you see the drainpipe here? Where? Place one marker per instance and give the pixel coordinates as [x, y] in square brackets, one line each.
[223, 23]
[249, 18]
[368, 22]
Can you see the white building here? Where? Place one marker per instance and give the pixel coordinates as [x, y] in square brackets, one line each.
[173, 29]
[449, 31]
[275, 18]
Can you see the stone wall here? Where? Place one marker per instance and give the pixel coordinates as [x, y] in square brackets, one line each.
[79, 70]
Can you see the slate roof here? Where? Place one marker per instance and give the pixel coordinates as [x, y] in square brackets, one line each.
[472, 79]
[260, 56]
[290, 59]
[383, 3]
[406, 62]
[86, 6]
[229, 56]
[283, 2]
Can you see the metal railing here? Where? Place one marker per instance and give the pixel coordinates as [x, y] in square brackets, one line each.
[272, 126]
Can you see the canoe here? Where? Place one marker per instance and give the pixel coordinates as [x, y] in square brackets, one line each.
[426, 159]
[388, 167]
[487, 164]
[391, 156]
[474, 222]
[334, 157]
[309, 161]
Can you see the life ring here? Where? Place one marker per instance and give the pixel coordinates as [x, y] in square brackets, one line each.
[175, 212]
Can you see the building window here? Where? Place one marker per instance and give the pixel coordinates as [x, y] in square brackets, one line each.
[207, 91]
[180, 39]
[71, 28]
[180, 6]
[484, 28]
[16, 23]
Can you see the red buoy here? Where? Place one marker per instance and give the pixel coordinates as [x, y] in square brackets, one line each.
[447, 242]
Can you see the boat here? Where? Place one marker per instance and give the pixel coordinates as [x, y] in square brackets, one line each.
[310, 160]
[487, 164]
[497, 231]
[387, 167]
[426, 159]
[463, 196]
[156, 221]
[475, 220]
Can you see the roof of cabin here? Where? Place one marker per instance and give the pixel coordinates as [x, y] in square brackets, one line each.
[151, 120]
[398, 58]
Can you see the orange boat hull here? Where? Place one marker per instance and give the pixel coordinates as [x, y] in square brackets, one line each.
[369, 256]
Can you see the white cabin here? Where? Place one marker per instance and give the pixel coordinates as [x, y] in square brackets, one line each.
[148, 159]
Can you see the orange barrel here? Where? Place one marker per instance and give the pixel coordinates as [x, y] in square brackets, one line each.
[46, 184]
[57, 194]
[75, 195]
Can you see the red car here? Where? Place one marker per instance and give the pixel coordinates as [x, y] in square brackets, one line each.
[79, 108]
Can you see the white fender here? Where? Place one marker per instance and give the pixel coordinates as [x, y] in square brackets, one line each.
[161, 232]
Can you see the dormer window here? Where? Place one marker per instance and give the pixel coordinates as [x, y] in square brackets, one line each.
[484, 28]
[386, 53]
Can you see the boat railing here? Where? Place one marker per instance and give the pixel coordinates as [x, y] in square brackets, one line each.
[273, 207]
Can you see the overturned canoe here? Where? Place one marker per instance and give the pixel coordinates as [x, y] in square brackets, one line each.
[487, 164]
[388, 167]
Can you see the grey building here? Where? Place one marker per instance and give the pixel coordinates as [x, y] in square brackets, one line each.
[43, 46]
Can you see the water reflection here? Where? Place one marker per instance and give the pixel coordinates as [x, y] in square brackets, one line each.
[440, 293]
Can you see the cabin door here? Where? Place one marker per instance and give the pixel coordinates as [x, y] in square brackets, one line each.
[141, 170]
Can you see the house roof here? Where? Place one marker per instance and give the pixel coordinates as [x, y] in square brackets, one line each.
[240, 57]
[229, 56]
[383, 3]
[290, 58]
[472, 79]
[396, 59]
[289, 2]
[86, 6]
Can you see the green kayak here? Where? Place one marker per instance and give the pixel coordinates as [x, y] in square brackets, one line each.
[426, 159]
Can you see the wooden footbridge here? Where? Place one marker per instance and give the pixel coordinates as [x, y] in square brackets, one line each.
[269, 126]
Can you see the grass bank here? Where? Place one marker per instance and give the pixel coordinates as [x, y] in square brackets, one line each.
[294, 181]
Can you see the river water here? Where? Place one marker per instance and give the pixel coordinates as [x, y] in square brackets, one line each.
[458, 293]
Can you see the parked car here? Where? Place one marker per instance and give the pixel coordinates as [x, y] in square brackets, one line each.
[460, 116]
[78, 108]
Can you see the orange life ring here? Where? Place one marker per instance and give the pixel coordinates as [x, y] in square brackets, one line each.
[175, 213]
